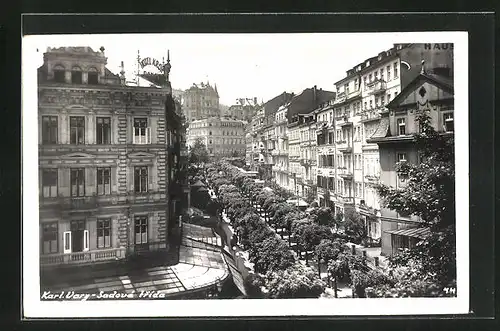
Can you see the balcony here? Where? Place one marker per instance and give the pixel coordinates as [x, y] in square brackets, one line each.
[279, 152]
[371, 115]
[354, 94]
[310, 182]
[83, 257]
[305, 162]
[372, 179]
[78, 203]
[321, 190]
[344, 146]
[376, 87]
[346, 200]
[344, 173]
[341, 97]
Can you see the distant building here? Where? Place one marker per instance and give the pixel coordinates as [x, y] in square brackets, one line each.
[106, 168]
[222, 136]
[201, 101]
[243, 109]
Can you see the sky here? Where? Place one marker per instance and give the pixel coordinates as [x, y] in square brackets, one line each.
[242, 65]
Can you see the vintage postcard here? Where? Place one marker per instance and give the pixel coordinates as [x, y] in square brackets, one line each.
[272, 174]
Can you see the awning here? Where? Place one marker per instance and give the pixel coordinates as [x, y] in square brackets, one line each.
[420, 233]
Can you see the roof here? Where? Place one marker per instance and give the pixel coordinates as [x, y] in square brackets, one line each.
[306, 101]
[446, 83]
[275, 103]
[420, 233]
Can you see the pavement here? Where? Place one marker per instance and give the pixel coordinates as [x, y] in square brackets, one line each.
[200, 265]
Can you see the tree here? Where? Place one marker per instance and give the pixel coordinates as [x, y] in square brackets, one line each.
[270, 255]
[198, 152]
[309, 235]
[297, 281]
[310, 196]
[354, 226]
[253, 284]
[323, 216]
[429, 194]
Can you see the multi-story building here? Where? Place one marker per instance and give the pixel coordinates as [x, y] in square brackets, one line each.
[201, 101]
[280, 152]
[362, 97]
[308, 154]
[430, 92]
[301, 105]
[325, 154]
[104, 160]
[222, 136]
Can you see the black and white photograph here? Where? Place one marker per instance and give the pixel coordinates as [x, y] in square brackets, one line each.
[245, 174]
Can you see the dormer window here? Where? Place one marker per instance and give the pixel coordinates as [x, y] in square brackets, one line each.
[93, 76]
[59, 74]
[401, 127]
[76, 75]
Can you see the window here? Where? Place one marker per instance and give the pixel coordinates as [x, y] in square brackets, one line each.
[142, 134]
[365, 105]
[49, 238]
[210, 133]
[93, 78]
[401, 157]
[103, 181]
[396, 70]
[448, 122]
[103, 130]
[401, 127]
[59, 74]
[104, 233]
[376, 101]
[49, 130]
[77, 178]
[76, 76]
[388, 97]
[371, 104]
[388, 69]
[77, 130]
[141, 229]
[370, 78]
[382, 73]
[49, 183]
[140, 179]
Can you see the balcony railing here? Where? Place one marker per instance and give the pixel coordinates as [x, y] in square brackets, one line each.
[378, 86]
[305, 162]
[346, 199]
[371, 114]
[344, 146]
[344, 172]
[372, 179]
[341, 97]
[83, 257]
[354, 94]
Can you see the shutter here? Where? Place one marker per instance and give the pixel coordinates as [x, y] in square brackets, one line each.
[85, 240]
[67, 242]
[150, 178]
[133, 135]
[148, 135]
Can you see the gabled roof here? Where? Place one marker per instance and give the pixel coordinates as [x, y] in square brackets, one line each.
[445, 83]
[382, 129]
[274, 104]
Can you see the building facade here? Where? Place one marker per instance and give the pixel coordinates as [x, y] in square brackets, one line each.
[103, 178]
[201, 101]
[243, 109]
[280, 153]
[353, 159]
[430, 92]
[222, 136]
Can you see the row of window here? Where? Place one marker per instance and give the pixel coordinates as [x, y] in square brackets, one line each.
[141, 130]
[77, 239]
[76, 75]
[371, 77]
[78, 181]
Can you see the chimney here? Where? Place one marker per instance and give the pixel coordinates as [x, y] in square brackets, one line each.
[315, 97]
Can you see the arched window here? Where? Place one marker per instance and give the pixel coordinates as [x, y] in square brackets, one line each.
[76, 75]
[59, 73]
[93, 76]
